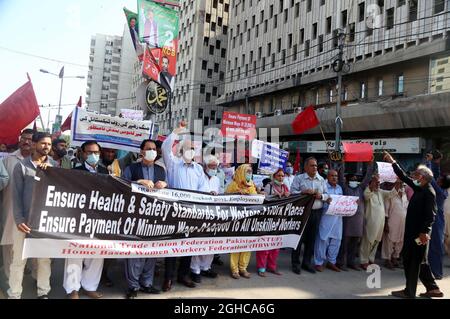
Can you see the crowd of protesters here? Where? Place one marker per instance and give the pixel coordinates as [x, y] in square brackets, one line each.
[406, 218]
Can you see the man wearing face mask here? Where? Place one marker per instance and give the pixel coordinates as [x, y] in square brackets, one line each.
[59, 148]
[139, 272]
[419, 219]
[183, 173]
[352, 226]
[289, 177]
[322, 168]
[85, 272]
[201, 265]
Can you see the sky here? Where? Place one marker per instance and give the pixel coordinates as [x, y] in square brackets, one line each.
[57, 30]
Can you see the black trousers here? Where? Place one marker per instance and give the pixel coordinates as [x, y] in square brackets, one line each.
[417, 267]
[308, 238]
[348, 251]
[184, 269]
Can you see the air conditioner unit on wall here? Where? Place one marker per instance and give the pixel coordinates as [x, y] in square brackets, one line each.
[278, 112]
[259, 115]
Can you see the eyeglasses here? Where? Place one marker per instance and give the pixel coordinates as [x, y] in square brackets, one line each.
[279, 175]
[92, 152]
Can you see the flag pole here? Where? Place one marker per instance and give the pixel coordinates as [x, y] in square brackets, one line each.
[324, 138]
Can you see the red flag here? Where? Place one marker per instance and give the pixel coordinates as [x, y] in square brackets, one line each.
[16, 112]
[68, 122]
[358, 152]
[297, 163]
[305, 120]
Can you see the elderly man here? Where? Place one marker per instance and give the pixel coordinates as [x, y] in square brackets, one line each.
[183, 173]
[201, 264]
[374, 219]
[419, 218]
[310, 183]
[329, 237]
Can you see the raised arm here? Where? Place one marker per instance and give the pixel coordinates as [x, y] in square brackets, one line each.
[398, 171]
[366, 180]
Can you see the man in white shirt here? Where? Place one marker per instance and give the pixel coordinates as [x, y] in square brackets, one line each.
[310, 183]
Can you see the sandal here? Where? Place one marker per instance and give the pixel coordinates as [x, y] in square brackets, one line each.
[235, 275]
[245, 274]
[276, 272]
[262, 273]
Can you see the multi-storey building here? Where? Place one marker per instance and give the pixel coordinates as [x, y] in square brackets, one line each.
[396, 77]
[111, 73]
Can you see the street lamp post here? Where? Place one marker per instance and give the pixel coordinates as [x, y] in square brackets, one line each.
[58, 119]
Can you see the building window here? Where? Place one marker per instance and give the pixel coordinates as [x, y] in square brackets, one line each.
[330, 96]
[211, 50]
[400, 84]
[390, 18]
[413, 10]
[216, 67]
[344, 18]
[361, 10]
[380, 87]
[439, 6]
[302, 36]
[307, 48]
[208, 97]
[221, 76]
[314, 31]
[204, 65]
[297, 9]
[202, 88]
[329, 21]
[217, 44]
[362, 90]
[308, 5]
[321, 43]
[200, 114]
[210, 73]
[214, 91]
[223, 53]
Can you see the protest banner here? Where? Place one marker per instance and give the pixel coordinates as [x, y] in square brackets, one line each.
[3, 155]
[386, 172]
[258, 179]
[241, 126]
[257, 147]
[137, 115]
[272, 158]
[343, 205]
[76, 214]
[109, 131]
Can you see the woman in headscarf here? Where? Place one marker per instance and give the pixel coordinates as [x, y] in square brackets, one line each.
[242, 184]
[267, 259]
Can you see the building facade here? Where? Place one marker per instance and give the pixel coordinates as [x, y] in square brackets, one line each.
[395, 79]
[111, 73]
[201, 64]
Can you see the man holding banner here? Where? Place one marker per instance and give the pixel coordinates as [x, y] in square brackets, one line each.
[183, 173]
[310, 183]
[24, 179]
[85, 272]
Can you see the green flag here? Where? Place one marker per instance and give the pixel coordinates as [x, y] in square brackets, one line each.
[158, 25]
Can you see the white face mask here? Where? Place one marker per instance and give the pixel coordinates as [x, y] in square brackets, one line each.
[150, 155]
[212, 172]
[188, 155]
[353, 184]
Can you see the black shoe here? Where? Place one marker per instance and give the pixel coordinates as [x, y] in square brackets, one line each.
[131, 294]
[43, 297]
[187, 282]
[196, 278]
[309, 269]
[150, 290]
[167, 285]
[106, 281]
[208, 273]
[296, 269]
[217, 261]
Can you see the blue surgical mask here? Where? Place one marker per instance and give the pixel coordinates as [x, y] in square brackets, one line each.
[325, 172]
[212, 172]
[290, 170]
[248, 177]
[417, 183]
[353, 184]
[93, 159]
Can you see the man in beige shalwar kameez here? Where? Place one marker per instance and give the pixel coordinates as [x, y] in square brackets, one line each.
[396, 208]
[374, 218]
